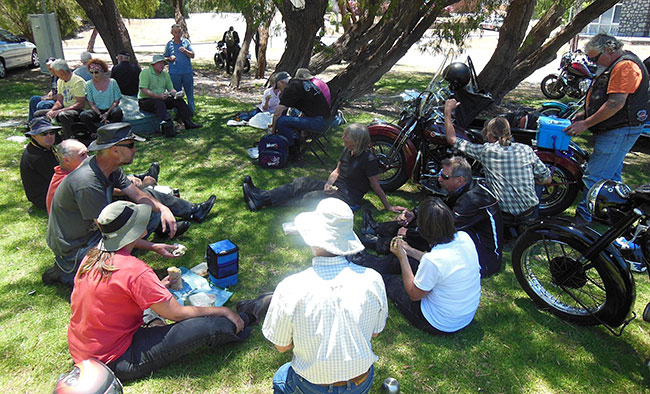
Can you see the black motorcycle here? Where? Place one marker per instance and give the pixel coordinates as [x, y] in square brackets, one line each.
[221, 56]
[583, 276]
[576, 73]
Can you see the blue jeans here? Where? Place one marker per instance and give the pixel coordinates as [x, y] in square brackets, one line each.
[286, 380]
[289, 126]
[155, 347]
[186, 82]
[35, 103]
[606, 162]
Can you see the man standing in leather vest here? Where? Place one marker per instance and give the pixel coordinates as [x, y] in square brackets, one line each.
[615, 110]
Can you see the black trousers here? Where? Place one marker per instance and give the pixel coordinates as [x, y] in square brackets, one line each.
[67, 118]
[160, 107]
[390, 270]
[309, 189]
[91, 119]
[179, 207]
[388, 230]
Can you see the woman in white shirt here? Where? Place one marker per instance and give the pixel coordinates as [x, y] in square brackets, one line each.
[444, 293]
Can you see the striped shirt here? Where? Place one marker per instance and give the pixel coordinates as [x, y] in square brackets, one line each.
[510, 172]
[330, 312]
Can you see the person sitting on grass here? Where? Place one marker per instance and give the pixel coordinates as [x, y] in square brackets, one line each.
[112, 289]
[270, 100]
[103, 96]
[328, 313]
[356, 172]
[72, 154]
[438, 291]
[475, 209]
[511, 168]
[38, 160]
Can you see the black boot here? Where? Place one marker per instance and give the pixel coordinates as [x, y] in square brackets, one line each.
[153, 171]
[369, 241]
[255, 198]
[369, 225]
[191, 125]
[202, 210]
[181, 227]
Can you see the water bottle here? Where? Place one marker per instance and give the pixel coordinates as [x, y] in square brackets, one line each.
[390, 386]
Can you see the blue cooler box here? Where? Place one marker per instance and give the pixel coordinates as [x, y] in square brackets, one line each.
[223, 263]
[549, 131]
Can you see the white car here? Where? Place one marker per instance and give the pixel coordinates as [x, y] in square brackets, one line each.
[16, 52]
[491, 24]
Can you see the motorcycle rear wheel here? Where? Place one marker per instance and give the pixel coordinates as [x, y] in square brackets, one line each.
[393, 174]
[560, 194]
[219, 61]
[247, 66]
[551, 87]
[551, 111]
[549, 271]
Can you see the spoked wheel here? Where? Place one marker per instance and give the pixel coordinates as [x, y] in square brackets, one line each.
[218, 61]
[551, 272]
[247, 66]
[551, 87]
[393, 171]
[560, 194]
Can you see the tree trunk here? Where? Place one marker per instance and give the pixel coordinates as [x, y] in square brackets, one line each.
[243, 53]
[545, 52]
[91, 41]
[402, 25]
[263, 30]
[109, 24]
[180, 18]
[301, 27]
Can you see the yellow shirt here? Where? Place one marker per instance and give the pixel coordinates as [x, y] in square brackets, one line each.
[75, 87]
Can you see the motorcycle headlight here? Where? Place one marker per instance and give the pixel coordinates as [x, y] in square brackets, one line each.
[604, 195]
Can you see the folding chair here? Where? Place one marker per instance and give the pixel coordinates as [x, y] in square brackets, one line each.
[313, 139]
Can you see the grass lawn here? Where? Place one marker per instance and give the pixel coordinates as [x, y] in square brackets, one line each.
[510, 347]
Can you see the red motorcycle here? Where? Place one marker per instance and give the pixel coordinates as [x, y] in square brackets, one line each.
[415, 147]
[576, 73]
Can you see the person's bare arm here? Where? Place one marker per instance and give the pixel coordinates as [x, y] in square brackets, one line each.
[376, 187]
[279, 110]
[167, 219]
[283, 349]
[614, 103]
[334, 175]
[450, 106]
[172, 310]
[408, 279]
[150, 94]
[187, 52]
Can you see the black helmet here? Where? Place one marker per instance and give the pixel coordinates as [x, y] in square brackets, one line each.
[457, 74]
[606, 197]
[89, 377]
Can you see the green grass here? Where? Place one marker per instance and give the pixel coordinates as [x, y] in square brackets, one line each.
[510, 347]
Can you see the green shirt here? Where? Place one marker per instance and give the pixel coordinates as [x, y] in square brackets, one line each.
[157, 83]
[75, 87]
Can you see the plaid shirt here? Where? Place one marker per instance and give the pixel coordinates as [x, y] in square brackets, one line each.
[510, 172]
[330, 312]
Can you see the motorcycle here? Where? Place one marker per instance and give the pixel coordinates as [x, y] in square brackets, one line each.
[415, 147]
[221, 56]
[562, 110]
[576, 73]
[580, 275]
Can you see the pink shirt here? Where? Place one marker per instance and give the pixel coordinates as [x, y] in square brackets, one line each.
[106, 313]
[57, 178]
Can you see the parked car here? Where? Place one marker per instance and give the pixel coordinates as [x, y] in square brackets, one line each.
[491, 24]
[16, 52]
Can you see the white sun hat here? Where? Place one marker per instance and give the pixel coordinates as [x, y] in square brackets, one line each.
[330, 227]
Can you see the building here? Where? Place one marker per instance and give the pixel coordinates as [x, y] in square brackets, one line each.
[629, 18]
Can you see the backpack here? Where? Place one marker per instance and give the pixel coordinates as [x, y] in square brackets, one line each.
[230, 38]
[273, 151]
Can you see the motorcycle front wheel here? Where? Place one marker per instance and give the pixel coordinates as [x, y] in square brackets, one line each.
[552, 87]
[548, 268]
[219, 61]
[247, 66]
[561, 193]
[393, 172]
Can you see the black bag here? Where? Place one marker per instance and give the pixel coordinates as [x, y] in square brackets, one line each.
[273, 151]
[168, 129]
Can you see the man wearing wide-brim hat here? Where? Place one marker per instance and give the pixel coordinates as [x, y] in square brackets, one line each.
[38, 160]
[157, 94]
[81, 196]
[329, 312]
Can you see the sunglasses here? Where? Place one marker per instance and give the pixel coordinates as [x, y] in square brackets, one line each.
[130, 145]
[447, 177]
[49, 132]
[594, 59]
[94, 71]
